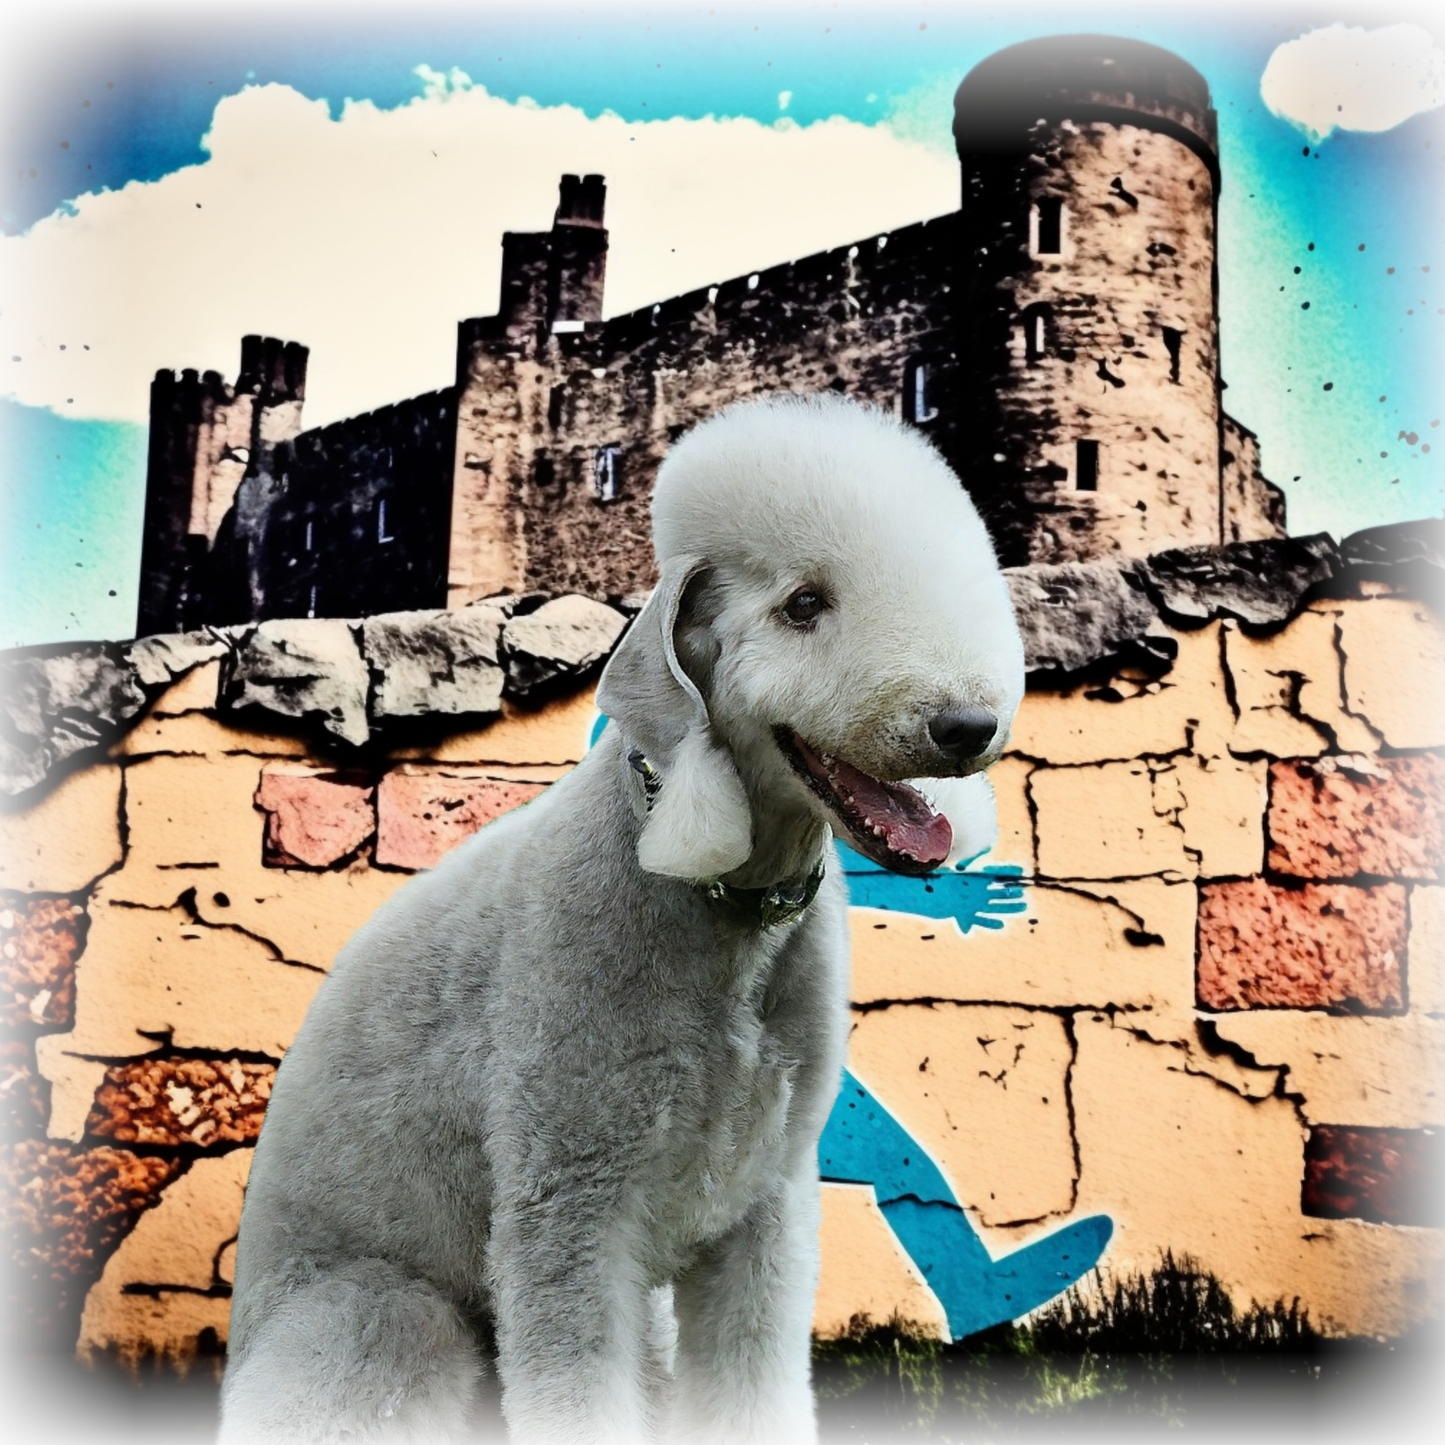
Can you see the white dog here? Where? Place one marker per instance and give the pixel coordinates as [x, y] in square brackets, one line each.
[566, 1090]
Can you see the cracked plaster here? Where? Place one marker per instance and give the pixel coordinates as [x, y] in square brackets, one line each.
[987, 1087]
[1171, 1156]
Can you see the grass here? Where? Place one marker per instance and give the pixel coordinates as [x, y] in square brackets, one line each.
[1144, 1357]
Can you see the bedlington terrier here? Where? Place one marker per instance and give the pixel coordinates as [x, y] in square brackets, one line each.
[564, 1092]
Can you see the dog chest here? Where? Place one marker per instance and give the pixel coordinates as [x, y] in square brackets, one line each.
[723, 1141]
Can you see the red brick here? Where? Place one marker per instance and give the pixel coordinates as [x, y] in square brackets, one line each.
[1327, 821]
[422, 816]
[1317, 946]
[181, 1101]
[314, 819]
[1383, 1176]
[40, 939]
[63, 1213]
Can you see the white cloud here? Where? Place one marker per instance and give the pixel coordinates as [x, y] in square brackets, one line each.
[368, 236]
[785, 99]
[1348, 78]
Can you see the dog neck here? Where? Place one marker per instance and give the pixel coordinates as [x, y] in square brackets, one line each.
[782, 874]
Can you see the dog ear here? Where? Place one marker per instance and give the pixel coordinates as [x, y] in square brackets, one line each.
[700, 824]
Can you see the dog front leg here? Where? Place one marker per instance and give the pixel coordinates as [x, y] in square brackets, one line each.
[744, 1316]
[574, 1321]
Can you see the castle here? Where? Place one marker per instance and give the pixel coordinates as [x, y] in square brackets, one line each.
[1057, 337]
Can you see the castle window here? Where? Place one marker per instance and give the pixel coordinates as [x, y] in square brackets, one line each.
[1086, 465]
[1173, 344]
[554, 406]
[544, 470]
[382, 534]
[311, 536]
[1038, 322]
[604, 473]
[918, 393]
[1047, 225]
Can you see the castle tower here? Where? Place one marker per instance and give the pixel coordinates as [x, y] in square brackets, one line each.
[1089, 419]
[205, 437]
[551, 294]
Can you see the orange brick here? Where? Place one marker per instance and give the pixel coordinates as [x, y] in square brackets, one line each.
[1327, 821]
[1318, 946]
[422, 816]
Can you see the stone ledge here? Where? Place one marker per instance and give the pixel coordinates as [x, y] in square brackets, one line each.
[351, 680]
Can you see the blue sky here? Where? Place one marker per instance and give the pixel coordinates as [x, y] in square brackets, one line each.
[1344, 391]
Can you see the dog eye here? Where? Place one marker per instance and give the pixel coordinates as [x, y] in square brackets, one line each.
[804, 606]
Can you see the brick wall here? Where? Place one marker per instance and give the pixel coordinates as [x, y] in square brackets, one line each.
[1203, 998]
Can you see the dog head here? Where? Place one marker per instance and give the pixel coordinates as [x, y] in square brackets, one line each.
[830, 622]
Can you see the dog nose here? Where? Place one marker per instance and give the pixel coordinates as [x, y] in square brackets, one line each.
[964, 732]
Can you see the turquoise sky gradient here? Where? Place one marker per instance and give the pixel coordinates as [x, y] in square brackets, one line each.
[1308, 378]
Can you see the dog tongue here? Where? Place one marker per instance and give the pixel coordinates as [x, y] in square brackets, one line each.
[909, 826]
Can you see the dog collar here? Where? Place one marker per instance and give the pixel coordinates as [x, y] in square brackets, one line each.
[772, 907]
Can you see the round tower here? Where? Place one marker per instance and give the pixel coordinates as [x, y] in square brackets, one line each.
[1090, 338]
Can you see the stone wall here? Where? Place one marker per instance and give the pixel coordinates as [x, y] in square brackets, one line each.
[1191, 1002]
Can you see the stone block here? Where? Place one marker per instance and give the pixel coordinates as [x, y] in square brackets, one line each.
[193, 691]
[40, 939]
[24, 1098]
[1323, 945]
[1335, 818]
[309, 669]
[435, 663]
[178, 658]
[563, 640]
[1263, 582]
[421, 816]
[64, 842]
[1112, 820]
[1364, 1072]
[314, 818]
[60, 705]
[63, 1213]
[1289, 690]
[145, 1302]
[985, 1091]
[1395, 669]
[174, 1101]
[1132, 714]
[1384, 1176]
[1129, 944]
[866, 1275]
[1076, 615]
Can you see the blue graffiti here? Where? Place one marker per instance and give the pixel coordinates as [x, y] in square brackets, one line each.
[863, 1143]
[982, 899]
